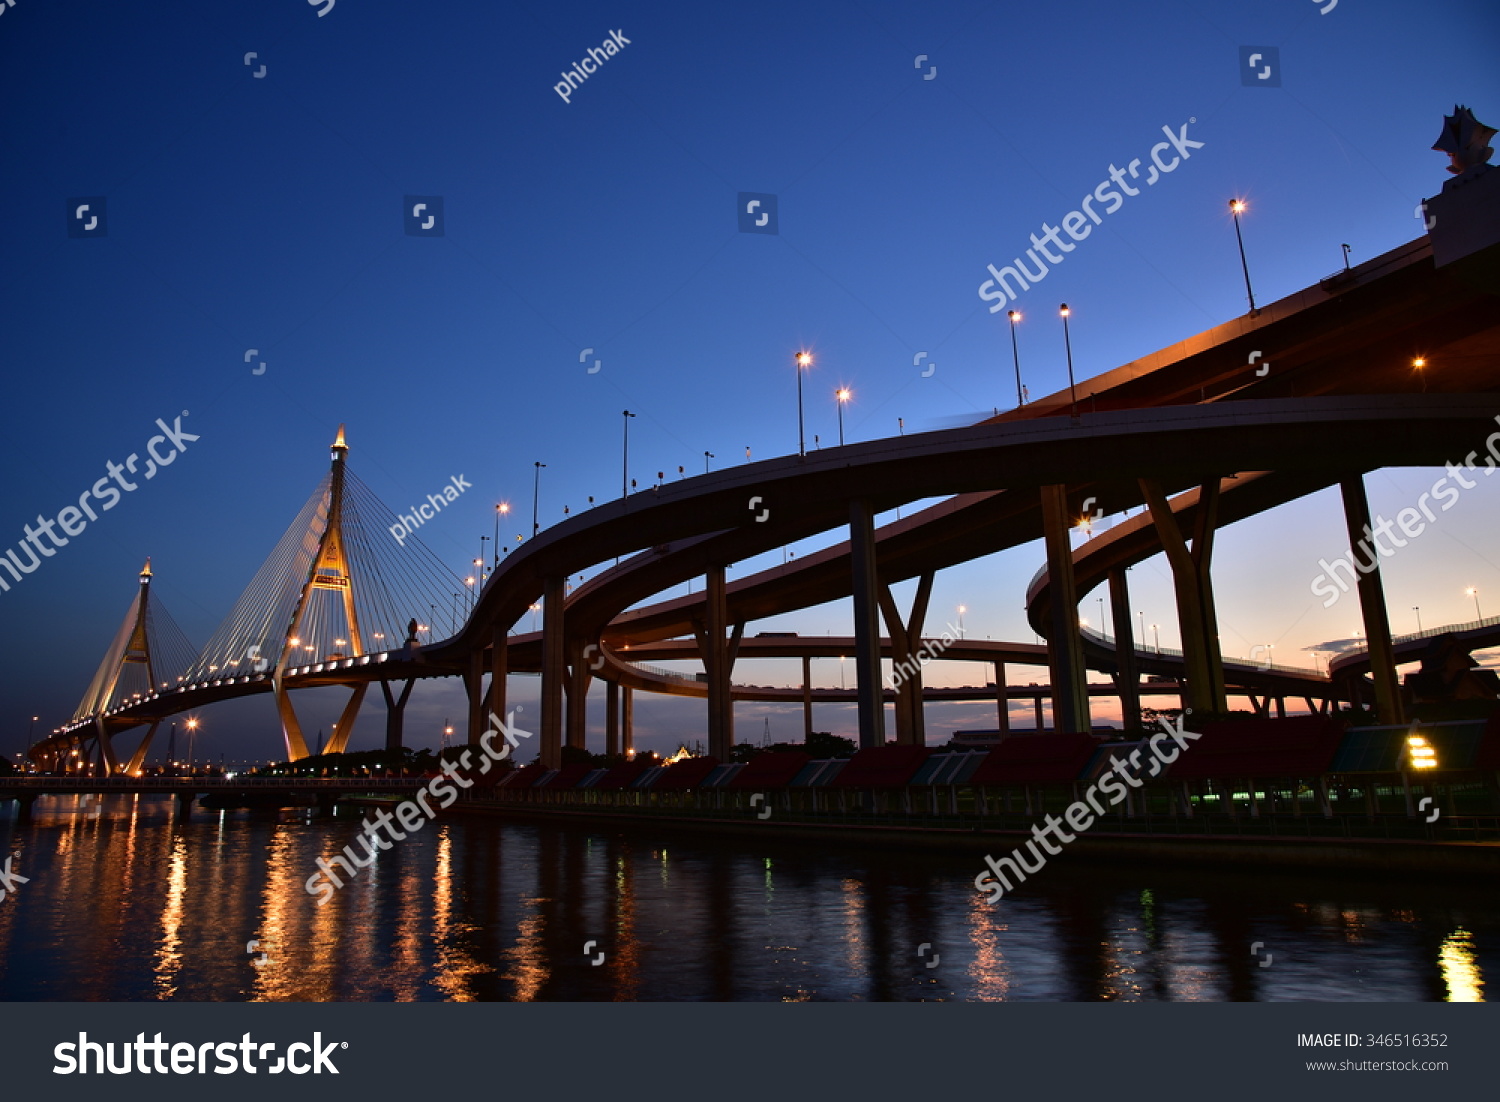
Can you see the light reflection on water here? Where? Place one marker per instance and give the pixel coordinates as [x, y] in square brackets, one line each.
[129, 906]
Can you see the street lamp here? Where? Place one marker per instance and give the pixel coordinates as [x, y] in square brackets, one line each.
[804, 359]
[842, 395]
[1068, 341]
[1102, 629]
[502, 508]
[1419, 363]
[536, 491]
[1472, 592]
[1418, 610]
[1156, 636]
[192, 726]
[1236, 208]
[1015, 352]
[625, 452]
[961, 610]
[706, 457]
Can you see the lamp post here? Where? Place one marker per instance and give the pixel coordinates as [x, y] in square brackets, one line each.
[1156, 637]
[1103, 630]
[625, 451]
[1236, 208]
[1142, 617]
[961, 610]
[192, 726]
[706, 457]
[1418, 610]
[30, 737]
[1068, 343]
[804, 359]
[536, 491]
[1015, 353]
[1419, 363]
[1472, 592]
[842, 395]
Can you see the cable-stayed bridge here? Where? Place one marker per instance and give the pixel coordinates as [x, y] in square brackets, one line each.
[1396, 362]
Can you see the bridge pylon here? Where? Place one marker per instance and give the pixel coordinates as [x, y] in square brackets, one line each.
[133, 667]
[329, 571]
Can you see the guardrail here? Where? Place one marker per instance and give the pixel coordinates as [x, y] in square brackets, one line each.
[204, 784]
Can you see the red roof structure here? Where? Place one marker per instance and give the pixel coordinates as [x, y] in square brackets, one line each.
[685, 774]
[1036, 759]
[771, 770]
[882, 767]
[1297, 746]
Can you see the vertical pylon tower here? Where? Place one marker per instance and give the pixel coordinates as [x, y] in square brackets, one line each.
[131, 650]
[329, 571]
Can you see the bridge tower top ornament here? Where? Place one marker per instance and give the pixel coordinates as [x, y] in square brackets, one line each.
[1466, 140]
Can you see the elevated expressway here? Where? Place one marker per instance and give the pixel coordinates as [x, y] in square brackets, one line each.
[1192, 425]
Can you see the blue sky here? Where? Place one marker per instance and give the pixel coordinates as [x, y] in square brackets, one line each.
[266, 213]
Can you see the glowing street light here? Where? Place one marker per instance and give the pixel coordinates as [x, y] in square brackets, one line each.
[1068, 341]
[192, 726]
[1472, 592]
[502, 509]
[842, 395]
[1236, 208]
[1418, 364]
[804, 360]
[1015, 352]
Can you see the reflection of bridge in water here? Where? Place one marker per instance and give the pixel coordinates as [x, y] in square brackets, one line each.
[1190, 436]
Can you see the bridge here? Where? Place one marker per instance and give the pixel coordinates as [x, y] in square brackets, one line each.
[1394, 362]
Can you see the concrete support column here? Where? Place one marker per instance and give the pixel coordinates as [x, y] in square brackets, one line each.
[1036, 702]
[499, 670]
[866, 624]
[806, 698]
[1070, 702]
[576, 705]
[395, 708]
[611, 718]
[554, 671]
[1372, 601]
[906, 643]
[627, 720]
[1129, 676]
[1002, 701]
[1193, 587]
[716, 662]
[474, 686]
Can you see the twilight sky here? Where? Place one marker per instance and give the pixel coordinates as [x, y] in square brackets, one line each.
[266, 212]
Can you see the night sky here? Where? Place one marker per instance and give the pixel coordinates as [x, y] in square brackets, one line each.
[267, 213]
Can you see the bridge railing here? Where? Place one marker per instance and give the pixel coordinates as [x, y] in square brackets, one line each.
[1238, 663]
[1430, 633]
[205, 784]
